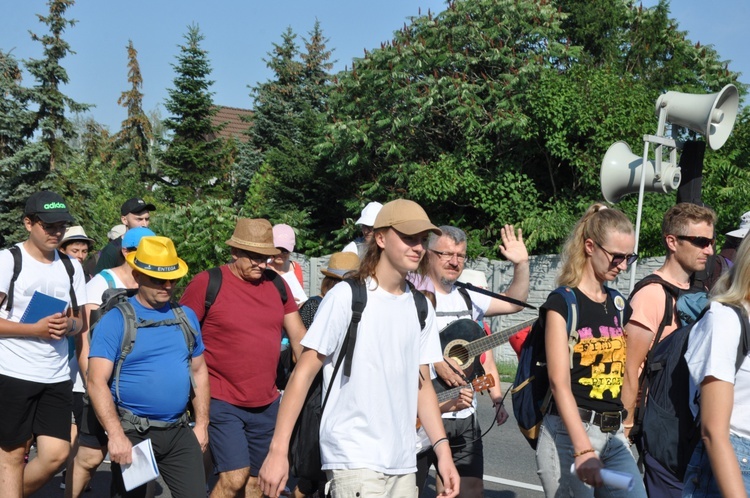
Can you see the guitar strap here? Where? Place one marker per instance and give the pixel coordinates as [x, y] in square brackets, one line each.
[479, 290]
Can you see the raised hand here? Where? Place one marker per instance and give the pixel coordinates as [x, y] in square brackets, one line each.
[512, 248]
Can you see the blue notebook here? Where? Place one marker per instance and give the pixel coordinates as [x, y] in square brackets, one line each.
[41, 306]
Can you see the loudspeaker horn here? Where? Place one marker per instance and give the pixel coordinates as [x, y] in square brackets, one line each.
[621, 174]
[712, 115]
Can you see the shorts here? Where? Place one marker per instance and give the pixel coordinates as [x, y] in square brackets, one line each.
[33, 408]
[77, 415]
[366, 483]
[91, 433]
[239, 437]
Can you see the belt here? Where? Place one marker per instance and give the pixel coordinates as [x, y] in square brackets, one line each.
[606, 421]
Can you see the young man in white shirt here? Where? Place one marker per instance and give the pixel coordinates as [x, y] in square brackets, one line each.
[34, 375]
[367, 434]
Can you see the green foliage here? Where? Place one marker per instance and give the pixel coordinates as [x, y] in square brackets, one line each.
[194, 160]
[199, 231]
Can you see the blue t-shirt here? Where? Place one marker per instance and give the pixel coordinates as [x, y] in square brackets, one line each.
[155, 377]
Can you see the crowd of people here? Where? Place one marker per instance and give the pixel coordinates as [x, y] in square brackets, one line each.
[115, 361]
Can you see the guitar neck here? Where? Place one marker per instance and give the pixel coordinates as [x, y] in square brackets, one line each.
[493, 340]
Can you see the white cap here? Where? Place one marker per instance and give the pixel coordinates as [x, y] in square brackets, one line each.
[744, 227]
[116, 232]
[369, 213]
[474, 277]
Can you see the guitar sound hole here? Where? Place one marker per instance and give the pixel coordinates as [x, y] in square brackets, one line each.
[459, 355]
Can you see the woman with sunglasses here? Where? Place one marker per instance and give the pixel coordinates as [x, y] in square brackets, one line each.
[583, 425]
[719, 465]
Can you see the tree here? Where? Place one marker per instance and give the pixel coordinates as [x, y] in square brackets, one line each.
[193, 162]
[49, 74]
[136, 136]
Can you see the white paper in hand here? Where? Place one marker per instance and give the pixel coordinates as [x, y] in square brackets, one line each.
[613, 478]
[143, 469]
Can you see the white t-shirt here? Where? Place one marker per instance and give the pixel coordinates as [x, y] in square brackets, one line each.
[297, 291]
[369, 420]
[451, 307]
[28, 358]
[712, 351]
[98, 284]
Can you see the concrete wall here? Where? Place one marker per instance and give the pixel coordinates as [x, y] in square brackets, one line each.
[499, 275]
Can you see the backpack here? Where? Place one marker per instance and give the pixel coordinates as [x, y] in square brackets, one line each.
[284, 367]
[686, 306]
[531, 394]
[669, 430]
[118, 299]
[15, 251]
[304, 446]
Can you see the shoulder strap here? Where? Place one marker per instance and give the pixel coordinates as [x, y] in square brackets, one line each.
[128, 339]
[107, 276]
[467, 299]
[359, 301]
[616, 296]
[15, 251]
[68, 264]
[671, 294]
[744, 346]
[278, 282]
[190, 335]
[571, 323]
[212, 290]
[420, 301]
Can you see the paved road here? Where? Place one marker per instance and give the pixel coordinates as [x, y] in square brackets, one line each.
[510, 468]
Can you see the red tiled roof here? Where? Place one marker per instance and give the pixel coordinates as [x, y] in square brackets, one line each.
[234, 126]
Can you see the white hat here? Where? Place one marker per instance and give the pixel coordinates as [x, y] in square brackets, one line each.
[744, 227]
[117, 231]
[474, 277]
[369, 213]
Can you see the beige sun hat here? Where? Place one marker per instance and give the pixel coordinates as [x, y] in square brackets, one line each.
[254, 235]
[340, 264]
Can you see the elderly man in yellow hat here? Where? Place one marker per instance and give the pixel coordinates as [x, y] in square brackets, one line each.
[243, 307]
[144, 394]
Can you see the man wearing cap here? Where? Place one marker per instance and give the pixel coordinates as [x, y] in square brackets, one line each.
[365, 222]
[721, 262]
[35, 385]
[446, 260]
[149, 398]
[91, 448]
[367, 436]
[134, 212]
[688, 235]
[242, 331]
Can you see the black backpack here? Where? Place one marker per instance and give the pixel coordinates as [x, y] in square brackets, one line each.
[304, 446]
[669, 430]
[15, 251]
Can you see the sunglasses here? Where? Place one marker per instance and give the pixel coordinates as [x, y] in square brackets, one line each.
[162, 281]
[701, 242]
[617, 259]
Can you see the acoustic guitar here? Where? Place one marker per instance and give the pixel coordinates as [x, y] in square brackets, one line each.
[464, 340]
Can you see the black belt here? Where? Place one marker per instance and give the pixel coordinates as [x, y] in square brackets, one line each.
[606, 421]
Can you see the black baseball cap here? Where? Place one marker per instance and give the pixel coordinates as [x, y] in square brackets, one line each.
[48, 207]
[135, 206]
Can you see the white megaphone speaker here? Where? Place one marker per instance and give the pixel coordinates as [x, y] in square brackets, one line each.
[621, 174]
[712, 115]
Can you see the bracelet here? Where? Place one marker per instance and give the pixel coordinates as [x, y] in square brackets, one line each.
[627, 426]
[441, 440]
[583, 452]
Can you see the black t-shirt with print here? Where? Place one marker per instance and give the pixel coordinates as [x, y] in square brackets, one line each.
[599, 355]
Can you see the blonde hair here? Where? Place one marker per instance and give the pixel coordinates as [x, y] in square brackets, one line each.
[733, 287]
[595, 224]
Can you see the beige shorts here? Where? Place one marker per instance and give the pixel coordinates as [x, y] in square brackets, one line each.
[365, 483]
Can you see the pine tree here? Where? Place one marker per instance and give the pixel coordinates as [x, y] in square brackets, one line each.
[136, 136]
[194, 159]
[49, 74]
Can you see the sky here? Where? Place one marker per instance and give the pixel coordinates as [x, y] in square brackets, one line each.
[240, 33]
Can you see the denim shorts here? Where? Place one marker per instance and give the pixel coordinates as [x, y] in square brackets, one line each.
[699, 478]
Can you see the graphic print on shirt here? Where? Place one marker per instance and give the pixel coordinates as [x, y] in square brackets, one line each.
[606, 357]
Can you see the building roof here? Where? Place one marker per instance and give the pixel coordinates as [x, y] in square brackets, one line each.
[231, 118]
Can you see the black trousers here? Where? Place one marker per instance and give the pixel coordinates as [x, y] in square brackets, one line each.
[179, 458]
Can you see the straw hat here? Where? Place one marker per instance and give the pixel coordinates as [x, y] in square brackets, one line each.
[340, 264]
[254, 235]
[76, 234]
[157, 257]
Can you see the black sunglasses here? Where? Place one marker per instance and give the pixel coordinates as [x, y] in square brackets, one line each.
[701, 242]
[617, 259]
[162, 281]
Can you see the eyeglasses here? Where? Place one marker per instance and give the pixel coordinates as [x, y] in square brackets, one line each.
[53, 228]
[701, 242]
[162, 281]
[254, 257]
[617, 259]
[448, 256]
